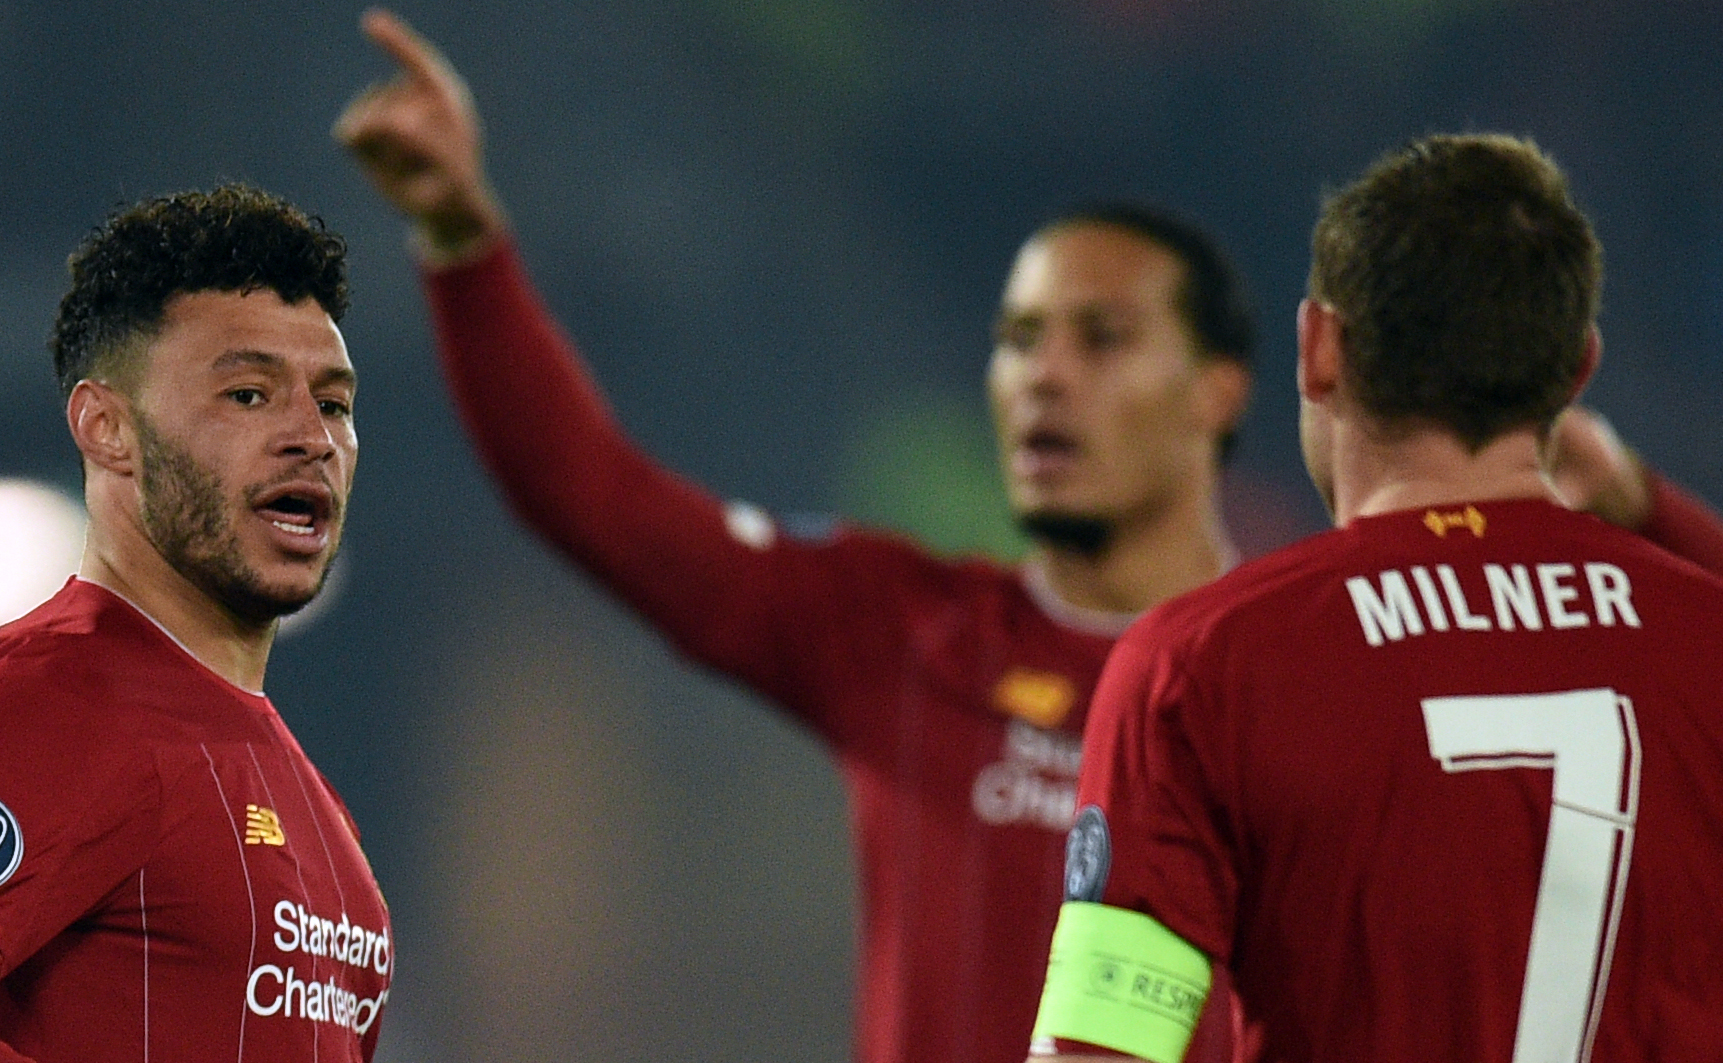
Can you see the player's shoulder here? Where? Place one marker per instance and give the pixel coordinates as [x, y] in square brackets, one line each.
[893, 577]
[1652, 557]
[1260, 586]
[1539, 533]
[83, 653]
[45, 646]
[1676, 598]
[897, 560]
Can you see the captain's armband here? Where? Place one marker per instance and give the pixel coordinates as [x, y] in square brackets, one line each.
[1119, 979]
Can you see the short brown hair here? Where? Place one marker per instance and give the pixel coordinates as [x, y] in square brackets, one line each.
[234, 238]
[1466, 282]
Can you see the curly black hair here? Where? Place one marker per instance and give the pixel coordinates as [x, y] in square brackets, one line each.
[235, 238]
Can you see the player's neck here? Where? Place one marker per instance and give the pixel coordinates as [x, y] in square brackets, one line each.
[137, 572]
[1145, 561]
[1382, 474]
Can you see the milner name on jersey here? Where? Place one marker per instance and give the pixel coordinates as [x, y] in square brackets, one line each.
[1556, 595]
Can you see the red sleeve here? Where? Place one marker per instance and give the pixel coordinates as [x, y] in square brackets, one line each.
[85, 822]
[1683, 524]
[1170, 857]
[738, 595]
[83, 836]
[1170, 853]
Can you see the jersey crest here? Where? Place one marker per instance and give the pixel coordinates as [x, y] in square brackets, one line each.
[1041, 698]
[1469, 518]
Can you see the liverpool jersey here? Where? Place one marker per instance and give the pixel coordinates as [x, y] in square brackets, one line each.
[1444, 784]
[177, 882]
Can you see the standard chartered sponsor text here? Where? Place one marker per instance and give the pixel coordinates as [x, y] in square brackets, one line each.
[1036, 782]
[273, 990]
[304, 931]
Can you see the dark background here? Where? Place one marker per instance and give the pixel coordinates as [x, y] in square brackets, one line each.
[779, 228]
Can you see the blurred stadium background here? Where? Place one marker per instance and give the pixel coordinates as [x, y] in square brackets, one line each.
[779, 228]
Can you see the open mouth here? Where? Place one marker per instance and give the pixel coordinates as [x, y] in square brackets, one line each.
[296, 510]
[1044, 455]
[1047, 443]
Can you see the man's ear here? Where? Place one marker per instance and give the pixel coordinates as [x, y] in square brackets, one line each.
[101, 422]
[1319, 331]
[1225, 392]
[1593, 356]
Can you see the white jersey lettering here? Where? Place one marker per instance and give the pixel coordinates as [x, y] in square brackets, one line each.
[271, 990]
[1513, 597]
[1389, 616]
[1551, 595]
[1611, 594]
[299, 930]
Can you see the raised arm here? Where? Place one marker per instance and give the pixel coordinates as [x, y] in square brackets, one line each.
[720, 580]
[1593, 470]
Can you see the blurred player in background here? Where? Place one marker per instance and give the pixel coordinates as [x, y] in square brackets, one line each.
[952, 693]
[1445, 783]
[176, 880]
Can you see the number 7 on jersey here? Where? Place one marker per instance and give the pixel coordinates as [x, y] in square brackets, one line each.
[1589, 740]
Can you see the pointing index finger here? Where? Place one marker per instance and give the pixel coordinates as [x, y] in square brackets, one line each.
[417, 56]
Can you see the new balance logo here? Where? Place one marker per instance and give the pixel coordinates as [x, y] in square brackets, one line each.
[263, 826]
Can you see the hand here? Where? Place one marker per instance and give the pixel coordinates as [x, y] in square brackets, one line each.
[1592, 470]
[417, 137]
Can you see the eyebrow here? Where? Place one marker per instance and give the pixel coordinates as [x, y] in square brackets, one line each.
[339, 374]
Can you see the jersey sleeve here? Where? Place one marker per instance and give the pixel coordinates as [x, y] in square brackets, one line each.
[723, 583]
[1172, 855]
[81, 824]
[1683, 524]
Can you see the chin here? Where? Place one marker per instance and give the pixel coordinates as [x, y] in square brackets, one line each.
[262, 606]
[286, 602]
[259, 601]
[293, 596]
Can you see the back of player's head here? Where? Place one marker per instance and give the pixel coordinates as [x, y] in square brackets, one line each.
[1466, 282]
[233, 239]
[1211, 298]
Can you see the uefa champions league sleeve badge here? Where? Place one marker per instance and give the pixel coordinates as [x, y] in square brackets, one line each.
[1088, 856]
[11, 843]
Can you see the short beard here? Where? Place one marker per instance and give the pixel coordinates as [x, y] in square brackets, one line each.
[1085, 536]
[185, 515]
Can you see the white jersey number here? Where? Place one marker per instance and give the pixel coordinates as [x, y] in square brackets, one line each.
[1590, 742]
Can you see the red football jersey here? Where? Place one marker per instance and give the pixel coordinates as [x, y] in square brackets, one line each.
[177, 882]
[1432, 785]
[950, 693]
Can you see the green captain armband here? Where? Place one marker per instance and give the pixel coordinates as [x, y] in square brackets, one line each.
[1119, 979]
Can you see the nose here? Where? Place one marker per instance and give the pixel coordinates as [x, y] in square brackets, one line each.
[1049, 367]
[306, 432]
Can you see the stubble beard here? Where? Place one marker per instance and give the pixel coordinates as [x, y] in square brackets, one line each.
[185, 514]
